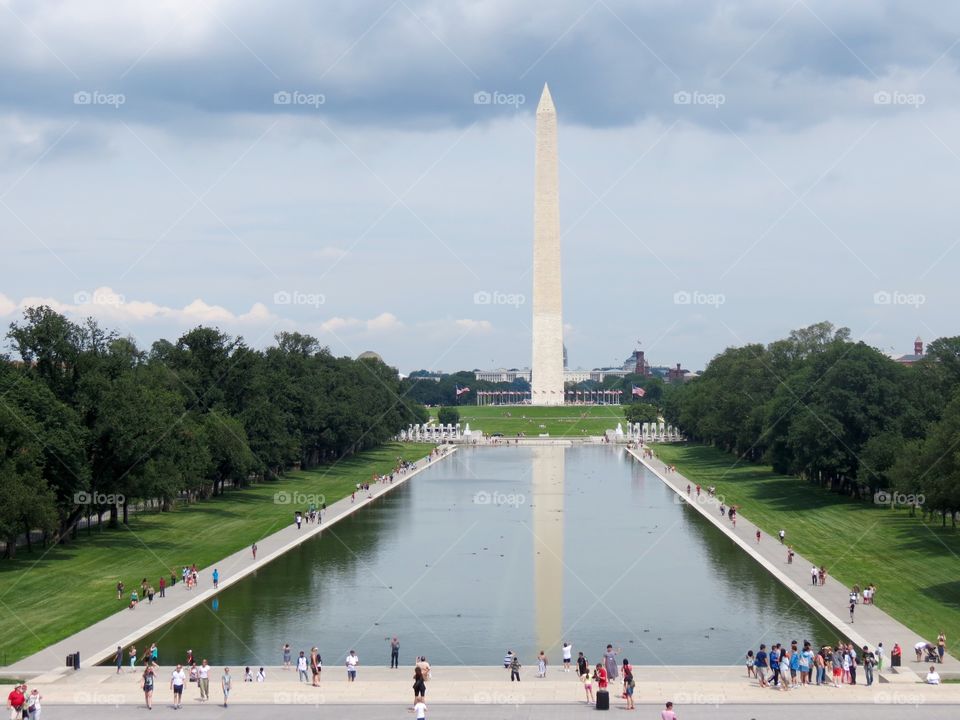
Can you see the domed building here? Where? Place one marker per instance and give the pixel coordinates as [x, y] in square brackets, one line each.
[369, 355]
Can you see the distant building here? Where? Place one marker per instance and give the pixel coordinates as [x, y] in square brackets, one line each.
[502, 375]
[915, 357]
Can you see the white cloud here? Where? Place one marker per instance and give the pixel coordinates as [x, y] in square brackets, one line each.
[474, 326]
[384, 321]
[328, 253]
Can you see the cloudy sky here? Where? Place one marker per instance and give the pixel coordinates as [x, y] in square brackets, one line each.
[362, 170]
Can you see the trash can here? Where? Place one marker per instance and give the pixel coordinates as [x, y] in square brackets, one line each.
[76, 660]
[70, 660]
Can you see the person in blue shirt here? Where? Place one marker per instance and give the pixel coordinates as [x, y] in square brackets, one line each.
[761, 665]
[216, 578]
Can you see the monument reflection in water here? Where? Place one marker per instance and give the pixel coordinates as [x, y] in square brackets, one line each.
[503, 548]
[547, 485]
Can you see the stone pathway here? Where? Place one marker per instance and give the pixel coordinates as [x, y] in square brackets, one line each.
[711, 687]
[871, 625]
[99, 641]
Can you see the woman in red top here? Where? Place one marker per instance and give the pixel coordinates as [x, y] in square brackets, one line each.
[601, 675]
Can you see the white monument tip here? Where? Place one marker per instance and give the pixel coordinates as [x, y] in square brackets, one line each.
[546, 101]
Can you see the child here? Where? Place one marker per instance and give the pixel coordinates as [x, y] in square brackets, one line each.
[541, 665]
[247, 675]
[588, 686]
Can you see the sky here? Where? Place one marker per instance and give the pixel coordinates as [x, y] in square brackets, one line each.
[363, 171]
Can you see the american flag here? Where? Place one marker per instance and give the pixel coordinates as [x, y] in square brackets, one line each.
[638, 391]
[462, 390]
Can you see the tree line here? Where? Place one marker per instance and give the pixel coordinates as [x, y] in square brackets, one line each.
[835, 412]
[90, 423]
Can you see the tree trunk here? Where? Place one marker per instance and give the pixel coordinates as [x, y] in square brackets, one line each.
[26, 526]
[126, 511]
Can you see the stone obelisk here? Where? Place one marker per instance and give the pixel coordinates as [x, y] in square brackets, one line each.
[547, 374]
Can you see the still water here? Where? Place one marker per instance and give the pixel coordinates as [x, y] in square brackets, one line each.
[506, 548]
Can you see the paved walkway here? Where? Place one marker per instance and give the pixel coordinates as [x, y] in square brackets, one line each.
[689, 686]
[831, 601]
[99, 641]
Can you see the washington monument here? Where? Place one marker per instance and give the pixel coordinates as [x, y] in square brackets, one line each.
[547, 374]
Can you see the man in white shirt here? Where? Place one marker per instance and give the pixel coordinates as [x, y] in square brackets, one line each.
[813, 574]
[177, 678]
[933, 677]
[567, 656]
[352, 662]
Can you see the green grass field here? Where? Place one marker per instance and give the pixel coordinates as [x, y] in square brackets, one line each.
[915, 565]
[566, 420]
[46, 596]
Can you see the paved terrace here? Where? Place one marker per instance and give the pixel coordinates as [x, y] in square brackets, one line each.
[871, 624]
[709, 687]
[99, 641]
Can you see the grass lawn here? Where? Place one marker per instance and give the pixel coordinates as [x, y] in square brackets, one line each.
[565, 420]
[46, 596]
[915, 565]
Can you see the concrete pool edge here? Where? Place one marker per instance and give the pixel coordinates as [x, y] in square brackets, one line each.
[890, 626]
[233, 568]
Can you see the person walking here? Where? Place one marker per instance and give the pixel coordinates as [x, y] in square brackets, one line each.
[352, 662]
[869, 661]
[941, 646]
[163, 587]
[515, 669]
[782, 534]
[761, 665]
[132, 655]
[118, 659]
[204, 680]
[419, 685]
[758, 537]
[177, 678]
[853, 606]
[119, 590]
[628, 686]
[316, 665]
[253, 548]
[146, 683]
[225, 684]
[216, 578]
[420, 710]
[394, 654]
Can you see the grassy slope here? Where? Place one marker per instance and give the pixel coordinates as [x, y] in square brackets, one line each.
[46, 596]
[568, 420]
[915, 566]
